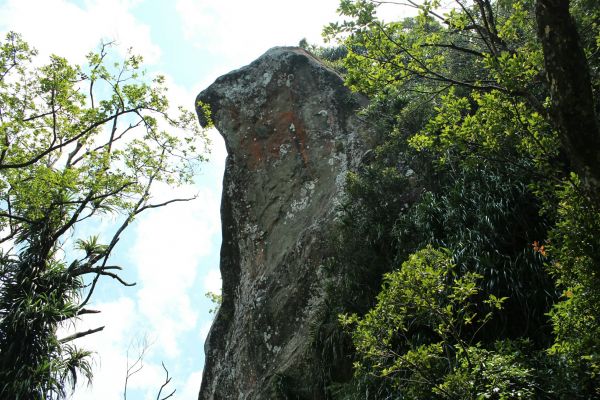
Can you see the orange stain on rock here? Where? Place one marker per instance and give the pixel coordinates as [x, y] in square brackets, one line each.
[286, 128]
[289, 123]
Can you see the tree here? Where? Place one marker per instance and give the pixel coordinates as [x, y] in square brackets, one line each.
[76, 144]
[421, 335]
[574, 108]
[498, 50]
[492, 108]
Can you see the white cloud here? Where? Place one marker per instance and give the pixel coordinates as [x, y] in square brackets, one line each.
[170, 243]
[185, 97]
[117, 347]
[191, 387]
[204, 330]
[212, 281]
[242, 30]
[119, 319]
[238, 31]
[166, 251]
[63, 28]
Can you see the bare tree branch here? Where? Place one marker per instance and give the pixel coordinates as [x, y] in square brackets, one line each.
[104, 271]
[146, 207]
[80, 334]
[11, 216]
[167, 381]
[137, 365]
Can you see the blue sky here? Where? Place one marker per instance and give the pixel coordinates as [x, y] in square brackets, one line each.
[172, 253]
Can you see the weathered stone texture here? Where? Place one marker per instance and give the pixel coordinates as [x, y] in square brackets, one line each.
[291, 135]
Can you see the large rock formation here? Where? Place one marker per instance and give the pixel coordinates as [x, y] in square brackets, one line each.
[291, 134]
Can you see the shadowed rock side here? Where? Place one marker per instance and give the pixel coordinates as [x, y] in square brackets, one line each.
[291, 135]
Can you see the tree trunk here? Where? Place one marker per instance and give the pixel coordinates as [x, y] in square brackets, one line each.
[570, 86]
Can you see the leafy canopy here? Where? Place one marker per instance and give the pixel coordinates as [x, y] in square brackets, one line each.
[473, 159]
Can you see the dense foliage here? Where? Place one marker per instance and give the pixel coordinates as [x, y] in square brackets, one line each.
[76, 144]
[468, 250]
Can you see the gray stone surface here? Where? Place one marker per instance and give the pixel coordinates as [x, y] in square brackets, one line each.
[291, 134]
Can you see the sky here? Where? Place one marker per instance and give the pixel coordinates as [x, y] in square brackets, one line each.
[173, 252]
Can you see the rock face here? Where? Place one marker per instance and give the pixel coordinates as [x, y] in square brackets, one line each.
[291, 135]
